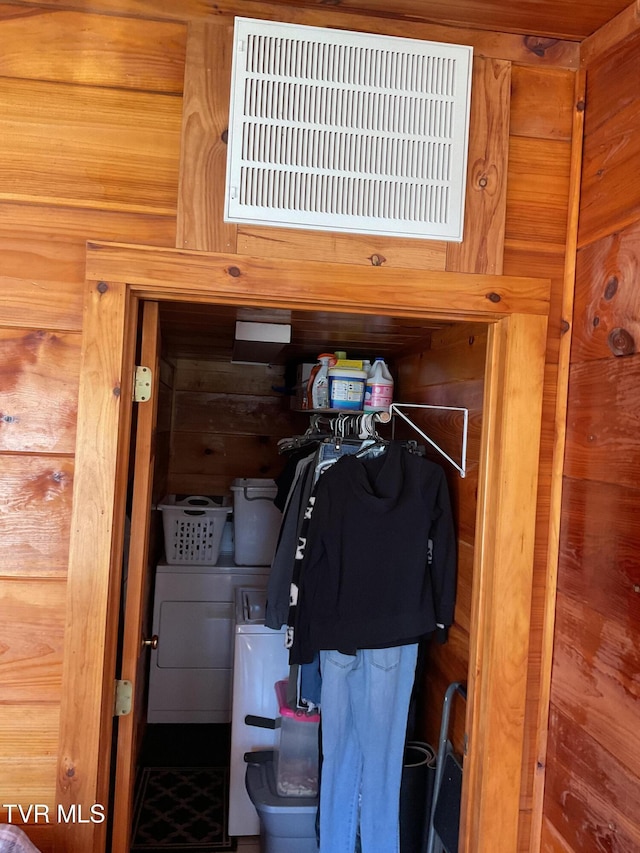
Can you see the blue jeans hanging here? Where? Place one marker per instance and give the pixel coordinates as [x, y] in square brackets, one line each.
[365, 703]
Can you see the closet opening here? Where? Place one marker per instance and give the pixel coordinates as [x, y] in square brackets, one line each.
[219, 420]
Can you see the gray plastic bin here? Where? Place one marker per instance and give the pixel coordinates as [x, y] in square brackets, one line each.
[287, 824]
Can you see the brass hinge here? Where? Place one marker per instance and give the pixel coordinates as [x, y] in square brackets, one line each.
[142, 384]
[122, 700]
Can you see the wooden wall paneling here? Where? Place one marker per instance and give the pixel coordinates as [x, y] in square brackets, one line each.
[542, 102]
[369, 250]
[26, 221]
[450, 373]
[456, 354]
[497, 43]
[484, 217]
[612, 92]
[444, 664]
[592, 798]
[610, 178]
[603, 414]
[119, 53]
[538, 190]
[87, 146]
[610, 35]
[35, 497]
[41, 260]
[40, 282]
[213, 460]
[553, 446]
[552, 841]
[464, 586]
[32, 626]
[40, 372]
[97, 488]
[203, 150]
[548, 261]
[222, 377]
[28, 744]
[607, 317]
[596, 522]
[593, 657]
[236, 414]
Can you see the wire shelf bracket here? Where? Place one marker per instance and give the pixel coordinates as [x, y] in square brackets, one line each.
[395, 409]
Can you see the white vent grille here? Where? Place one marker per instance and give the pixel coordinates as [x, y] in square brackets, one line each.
[344, 131]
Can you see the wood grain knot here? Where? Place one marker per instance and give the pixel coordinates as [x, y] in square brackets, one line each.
[102, 287]
[234, 272]
[611, 288]
[224, 136]
[483, 181]
[621, 342]
[539, 46]
[581, 106]
[494, 297]
[377, 260]
[117, 391]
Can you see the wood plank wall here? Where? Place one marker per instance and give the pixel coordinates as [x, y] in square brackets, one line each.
[450, 373]
[228, 420]
[593, 765]
[100, 139]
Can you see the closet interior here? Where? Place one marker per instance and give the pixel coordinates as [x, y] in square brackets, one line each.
[221, 418]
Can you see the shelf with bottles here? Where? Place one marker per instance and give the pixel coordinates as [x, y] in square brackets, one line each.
[352, 384]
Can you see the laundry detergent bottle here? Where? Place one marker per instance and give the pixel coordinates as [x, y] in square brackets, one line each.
[378, 394]
[319, 382]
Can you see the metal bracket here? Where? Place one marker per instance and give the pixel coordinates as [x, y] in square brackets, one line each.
[142, 384]
[123, 698]
[394, 409]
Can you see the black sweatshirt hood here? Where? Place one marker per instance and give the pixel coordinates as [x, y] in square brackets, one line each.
[377, 481]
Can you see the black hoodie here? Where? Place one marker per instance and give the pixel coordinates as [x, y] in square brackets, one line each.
[379, 565]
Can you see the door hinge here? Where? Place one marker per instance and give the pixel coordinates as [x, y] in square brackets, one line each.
[142, 384]
[122, 699]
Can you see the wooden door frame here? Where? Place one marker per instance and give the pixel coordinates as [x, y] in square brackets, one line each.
[515, 308]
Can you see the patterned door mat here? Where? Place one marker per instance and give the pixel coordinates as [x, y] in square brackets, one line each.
[182, 809]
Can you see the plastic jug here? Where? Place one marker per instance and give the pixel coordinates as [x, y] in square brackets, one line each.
[346, 387]
[378, 394]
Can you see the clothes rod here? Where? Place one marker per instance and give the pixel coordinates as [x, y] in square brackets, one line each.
[395, 408]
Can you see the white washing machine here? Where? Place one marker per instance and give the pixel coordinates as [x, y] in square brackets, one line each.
[260, 659]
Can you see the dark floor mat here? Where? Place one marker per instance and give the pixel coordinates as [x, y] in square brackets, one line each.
[182, 809]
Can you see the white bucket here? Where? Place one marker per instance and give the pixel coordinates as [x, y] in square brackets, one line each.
[256, 521]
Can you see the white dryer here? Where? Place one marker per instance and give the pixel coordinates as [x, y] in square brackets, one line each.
[260, 659]
[193, 617]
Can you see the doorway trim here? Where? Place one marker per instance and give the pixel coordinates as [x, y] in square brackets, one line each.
[515, 308]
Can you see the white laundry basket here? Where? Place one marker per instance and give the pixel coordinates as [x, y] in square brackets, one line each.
[192, 529]
[256, 521]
